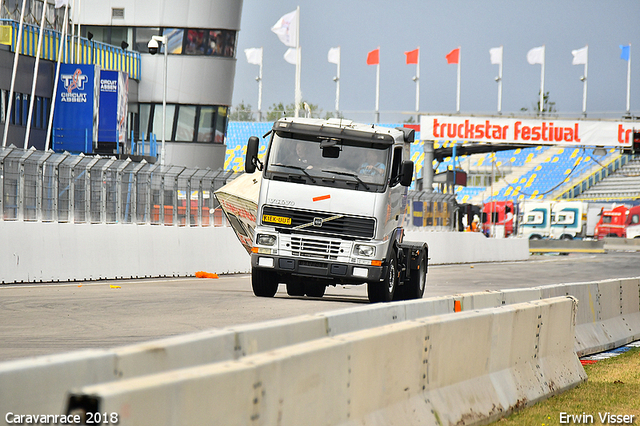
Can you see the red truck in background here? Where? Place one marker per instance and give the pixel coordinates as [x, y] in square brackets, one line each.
[612, 223]
[496, 216]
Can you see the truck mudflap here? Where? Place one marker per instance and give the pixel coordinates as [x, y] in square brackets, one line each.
[415, 253]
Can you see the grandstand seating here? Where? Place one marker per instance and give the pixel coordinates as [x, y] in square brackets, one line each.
[622, 185]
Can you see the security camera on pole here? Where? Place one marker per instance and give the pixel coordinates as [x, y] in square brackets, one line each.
[153, 49]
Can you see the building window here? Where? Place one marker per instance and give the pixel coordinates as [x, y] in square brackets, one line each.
[221, 124]
[156, 126]
[175, 39]
[142, 36]
[196, 42]
[206, 122]
[186, 123]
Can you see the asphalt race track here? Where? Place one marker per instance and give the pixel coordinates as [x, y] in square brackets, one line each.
[40, 319]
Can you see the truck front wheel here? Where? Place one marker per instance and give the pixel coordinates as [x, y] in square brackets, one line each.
[264, 283]
[383, 291]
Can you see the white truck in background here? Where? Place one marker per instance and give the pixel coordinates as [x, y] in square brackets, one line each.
[330, 209]
[562, 220]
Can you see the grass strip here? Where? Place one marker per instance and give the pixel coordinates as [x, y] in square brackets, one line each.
[613, 388]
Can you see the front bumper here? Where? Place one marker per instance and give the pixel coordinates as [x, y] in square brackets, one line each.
[324, 269]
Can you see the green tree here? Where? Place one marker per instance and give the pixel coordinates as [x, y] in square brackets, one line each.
[279, 110]
[241, 112]
[548, 107]
[410, 120]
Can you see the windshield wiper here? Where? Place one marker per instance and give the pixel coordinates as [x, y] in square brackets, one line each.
[353, 175]
[295, 168]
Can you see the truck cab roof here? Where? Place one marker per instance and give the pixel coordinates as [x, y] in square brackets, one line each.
[345, 129]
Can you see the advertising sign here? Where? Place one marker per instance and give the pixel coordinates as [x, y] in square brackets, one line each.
[114, 99]
[75, 119]
[532, 131]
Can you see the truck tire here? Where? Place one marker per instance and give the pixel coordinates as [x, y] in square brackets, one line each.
[295, 287]
[315, 289]
[384, 290]
[414, 289]
[264, 283]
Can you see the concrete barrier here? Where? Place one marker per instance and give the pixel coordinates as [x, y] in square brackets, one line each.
[403, 373]
[469, 247]
[608, 315]
[45, 252]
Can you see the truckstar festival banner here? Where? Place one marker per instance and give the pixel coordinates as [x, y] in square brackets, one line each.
[616, 134]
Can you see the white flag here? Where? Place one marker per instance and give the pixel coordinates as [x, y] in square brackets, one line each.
[61, 3]
[290, 55]
[286, 28]
[496, 55]
[334, 55]
[536, 55]
[580, 56]
[254, 55]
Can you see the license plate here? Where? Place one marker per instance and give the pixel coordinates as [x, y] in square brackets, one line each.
[276, 219]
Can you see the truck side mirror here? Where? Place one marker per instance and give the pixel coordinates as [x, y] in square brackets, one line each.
[251, 158]
[406, 174]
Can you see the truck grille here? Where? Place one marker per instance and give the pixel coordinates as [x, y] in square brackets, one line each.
[325, 223]
[308, 247]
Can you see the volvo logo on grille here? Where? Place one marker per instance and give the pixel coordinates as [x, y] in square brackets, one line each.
[317, 221]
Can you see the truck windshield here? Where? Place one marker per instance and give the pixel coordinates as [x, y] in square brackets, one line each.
[353, 165]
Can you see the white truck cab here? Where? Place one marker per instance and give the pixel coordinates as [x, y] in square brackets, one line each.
[330, 209]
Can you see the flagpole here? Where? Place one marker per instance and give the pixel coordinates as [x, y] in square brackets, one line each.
[78, 56]
[378, 88]
[338, 84]
[458, 85]
[500, 81]
[27, 133]
[542, 79]
[63, 42]
[298, 94]
[584, 89]
[13, 76]
[418, 84]
[629, 81]
[260, 87]
[73, 33]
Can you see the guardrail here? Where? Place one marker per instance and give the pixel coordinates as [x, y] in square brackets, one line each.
[607, 315]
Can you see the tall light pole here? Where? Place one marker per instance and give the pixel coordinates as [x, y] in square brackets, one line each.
[153, 49]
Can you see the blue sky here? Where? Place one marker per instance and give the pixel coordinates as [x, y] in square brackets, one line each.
[438, 27]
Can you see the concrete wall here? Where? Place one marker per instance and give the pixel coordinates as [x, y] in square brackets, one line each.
[34, 252]
[467, 247]
[42, 252]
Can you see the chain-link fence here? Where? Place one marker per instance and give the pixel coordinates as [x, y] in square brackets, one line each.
[49, 187]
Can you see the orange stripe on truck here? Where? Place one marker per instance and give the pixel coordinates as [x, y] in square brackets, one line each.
[322, 197]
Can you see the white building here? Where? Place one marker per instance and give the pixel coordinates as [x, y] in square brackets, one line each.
[202, 38]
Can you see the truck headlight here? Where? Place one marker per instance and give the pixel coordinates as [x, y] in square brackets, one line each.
[266, 239]
[364, 250]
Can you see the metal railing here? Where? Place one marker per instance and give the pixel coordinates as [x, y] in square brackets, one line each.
[91, 52]
[49, 187]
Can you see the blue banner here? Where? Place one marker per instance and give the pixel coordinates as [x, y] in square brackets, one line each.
[114, 87]
[75, 120]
